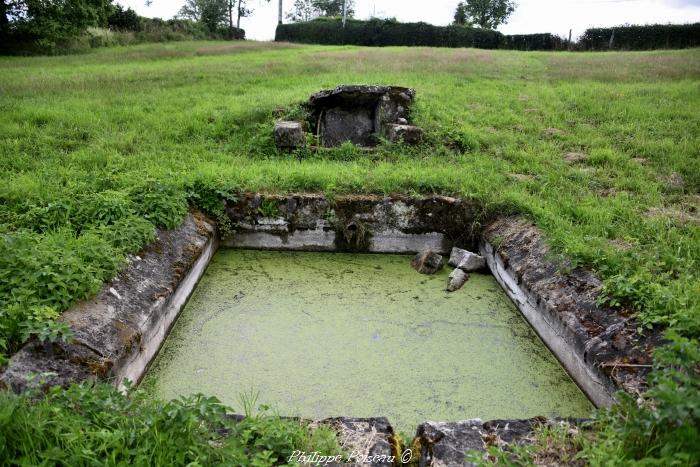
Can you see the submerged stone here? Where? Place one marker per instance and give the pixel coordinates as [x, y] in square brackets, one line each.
[427, 262]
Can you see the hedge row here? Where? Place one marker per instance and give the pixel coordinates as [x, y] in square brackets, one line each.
[385, 33]
[376, 32]
[656, 36]
[328, 31]
[544, 41]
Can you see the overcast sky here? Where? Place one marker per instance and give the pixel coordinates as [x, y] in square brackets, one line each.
[531, 16]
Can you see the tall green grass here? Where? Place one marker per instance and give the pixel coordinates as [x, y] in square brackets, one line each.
[98, 150]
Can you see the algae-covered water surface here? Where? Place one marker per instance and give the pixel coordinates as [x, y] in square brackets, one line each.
[319, 335]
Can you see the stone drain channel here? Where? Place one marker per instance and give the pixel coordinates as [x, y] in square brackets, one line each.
[120, 331]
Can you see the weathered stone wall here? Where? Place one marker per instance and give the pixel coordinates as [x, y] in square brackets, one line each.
[597, 345]
[363, 223]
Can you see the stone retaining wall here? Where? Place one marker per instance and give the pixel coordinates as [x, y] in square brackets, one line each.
[375, 224]
[598, 346]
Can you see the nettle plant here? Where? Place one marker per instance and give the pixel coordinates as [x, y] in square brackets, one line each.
[211, 197]
[95, 424]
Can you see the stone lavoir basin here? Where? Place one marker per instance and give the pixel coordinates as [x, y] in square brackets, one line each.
[363, 335]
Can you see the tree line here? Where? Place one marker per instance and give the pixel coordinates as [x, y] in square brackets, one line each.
[216, 13]
[46, 26]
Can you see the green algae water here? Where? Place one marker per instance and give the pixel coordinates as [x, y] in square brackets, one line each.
[321, 334]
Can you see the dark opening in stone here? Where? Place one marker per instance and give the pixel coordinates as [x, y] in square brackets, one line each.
[359, 113]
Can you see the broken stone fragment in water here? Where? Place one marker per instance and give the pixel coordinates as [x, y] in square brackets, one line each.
[457, 279]
[427, 262]
[466, 260]
[361, 114]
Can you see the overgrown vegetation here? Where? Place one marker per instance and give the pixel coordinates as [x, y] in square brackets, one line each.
[600, 150]
[60, 27]
[97, 425]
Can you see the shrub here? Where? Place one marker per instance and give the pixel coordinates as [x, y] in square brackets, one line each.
[161, 204]
[544, 41]
[127, 235]
[104, 208]
[211, 197]
[631, 37]
[377, 32]
[100, 37]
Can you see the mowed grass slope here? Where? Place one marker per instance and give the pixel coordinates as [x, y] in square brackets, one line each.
[600, 150]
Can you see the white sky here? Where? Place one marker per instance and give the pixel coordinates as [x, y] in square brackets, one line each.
[531, 16]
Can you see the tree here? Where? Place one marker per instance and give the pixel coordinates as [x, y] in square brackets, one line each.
[242, 11]
[306, 10]
[210, 13]
[335, 7]
[303, 10]
[461, 15]
[4, 20]
[54, 21]
[124, 20]
[488, 14]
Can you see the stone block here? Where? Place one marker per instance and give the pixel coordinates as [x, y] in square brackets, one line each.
[457, 279]
[409, 134]
[447, 443]
[339, 125]
[289, 135]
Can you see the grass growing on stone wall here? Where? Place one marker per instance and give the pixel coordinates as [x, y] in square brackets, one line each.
[602, 151]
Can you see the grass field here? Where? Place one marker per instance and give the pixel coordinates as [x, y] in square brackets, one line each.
[601, 150]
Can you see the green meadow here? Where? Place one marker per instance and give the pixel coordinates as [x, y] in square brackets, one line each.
[600, 150]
